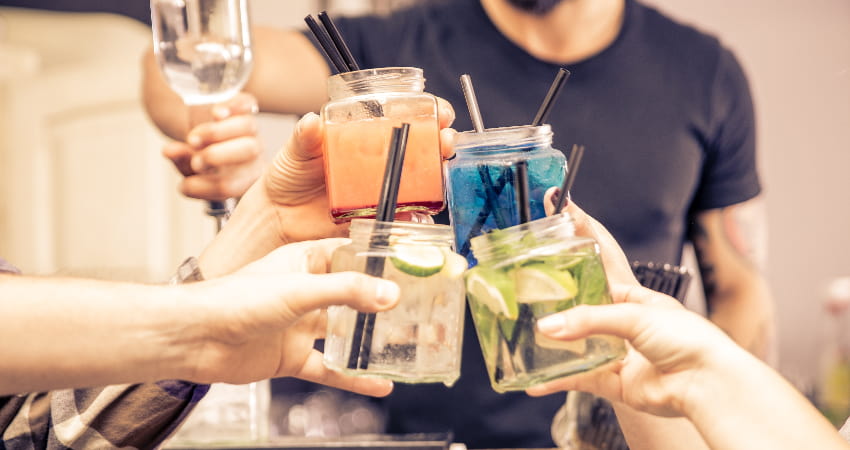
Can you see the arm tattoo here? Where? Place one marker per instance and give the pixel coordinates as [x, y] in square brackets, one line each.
[738, 232]
[700, 238]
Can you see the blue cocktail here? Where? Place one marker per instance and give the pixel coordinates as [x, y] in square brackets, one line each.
[482, 179]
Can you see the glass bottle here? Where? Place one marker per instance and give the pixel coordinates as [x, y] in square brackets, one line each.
[364, 107]
[527, 272]
[481, 190]
[419, 340]
[833, 392]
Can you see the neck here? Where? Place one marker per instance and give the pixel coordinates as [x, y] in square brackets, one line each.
[574, 30]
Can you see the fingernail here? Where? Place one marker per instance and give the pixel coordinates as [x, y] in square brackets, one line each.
[387, 292]
[194, 140]
[197, 164]
[552, 324]
[221, 112]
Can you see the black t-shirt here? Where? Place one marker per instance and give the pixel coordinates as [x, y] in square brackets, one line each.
[666, 117]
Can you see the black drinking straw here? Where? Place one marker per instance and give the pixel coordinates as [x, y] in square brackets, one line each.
[572, 169]
[361, 341]
[332, 43]
[553, 94]
[326, 42]
[338, 41]
[522, 197]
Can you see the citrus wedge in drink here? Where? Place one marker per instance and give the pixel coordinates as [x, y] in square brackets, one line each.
[540, 283]
[493, 289]
[418, 260]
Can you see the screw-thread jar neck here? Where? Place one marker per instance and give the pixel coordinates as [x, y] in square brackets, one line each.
[539, 237]
[506, 139]
[372, 81]
[377, 234]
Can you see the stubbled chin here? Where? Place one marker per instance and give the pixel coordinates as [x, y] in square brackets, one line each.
[536, 7]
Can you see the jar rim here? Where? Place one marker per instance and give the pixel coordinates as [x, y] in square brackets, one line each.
[377, 71]
[484, 245]
[518, 135]
[408, 228]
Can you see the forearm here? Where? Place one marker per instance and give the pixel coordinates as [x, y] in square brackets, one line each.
[163, 105]
[60, 333]
[747, 316]
[730, 245]
[747, 405]
[289, 75]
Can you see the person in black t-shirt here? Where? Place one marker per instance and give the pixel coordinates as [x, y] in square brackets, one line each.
[663, 109]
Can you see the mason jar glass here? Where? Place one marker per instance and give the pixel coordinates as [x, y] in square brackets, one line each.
[527, 272]
[482, 179]
[419, 340]
[358, 120]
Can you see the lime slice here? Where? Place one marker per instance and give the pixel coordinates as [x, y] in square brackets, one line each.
[455, 265]
[418, 260]
[493, 289]
[539, 283]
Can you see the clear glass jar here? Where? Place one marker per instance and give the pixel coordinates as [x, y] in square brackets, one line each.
[527, 272]
[364, 107]
[481, 187]
[228, 413]
[418, 341]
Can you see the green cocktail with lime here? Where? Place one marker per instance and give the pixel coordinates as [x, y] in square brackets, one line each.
[525, 273]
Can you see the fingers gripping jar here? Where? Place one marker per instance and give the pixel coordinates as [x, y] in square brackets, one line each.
[358, 120]
[419, 340]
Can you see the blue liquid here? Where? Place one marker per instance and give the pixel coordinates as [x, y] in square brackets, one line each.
[476, 183]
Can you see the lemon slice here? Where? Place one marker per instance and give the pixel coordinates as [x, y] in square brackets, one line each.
[418, 260]
[540, 283]
[493, 289]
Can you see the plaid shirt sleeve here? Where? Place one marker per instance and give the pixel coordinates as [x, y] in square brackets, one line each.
[138, 416]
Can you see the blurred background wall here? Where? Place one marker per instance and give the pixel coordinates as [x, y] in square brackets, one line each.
[797, 55]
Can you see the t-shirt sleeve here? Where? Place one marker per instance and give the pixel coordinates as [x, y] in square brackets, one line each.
[730, 173]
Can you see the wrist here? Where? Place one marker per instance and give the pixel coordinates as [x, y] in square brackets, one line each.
[250, 233]
[723, 380]
[182, 327]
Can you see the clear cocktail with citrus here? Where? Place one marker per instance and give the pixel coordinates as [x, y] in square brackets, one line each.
[418, 341]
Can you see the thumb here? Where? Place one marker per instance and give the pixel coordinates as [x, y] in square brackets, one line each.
[306, 141]
[356, 290]
[297, 172]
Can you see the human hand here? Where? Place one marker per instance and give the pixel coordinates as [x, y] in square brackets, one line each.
[222, 155]
[289, 203]
[263, 320]
[672, 350]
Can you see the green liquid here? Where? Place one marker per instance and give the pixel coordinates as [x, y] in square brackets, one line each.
[516, 354]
